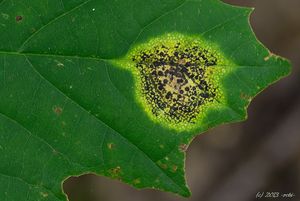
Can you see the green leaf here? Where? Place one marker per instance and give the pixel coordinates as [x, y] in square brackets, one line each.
[79, 87]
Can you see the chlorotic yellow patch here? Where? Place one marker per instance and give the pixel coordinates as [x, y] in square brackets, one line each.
[177, 78]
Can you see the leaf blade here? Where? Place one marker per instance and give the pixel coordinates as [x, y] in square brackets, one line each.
[48, 79]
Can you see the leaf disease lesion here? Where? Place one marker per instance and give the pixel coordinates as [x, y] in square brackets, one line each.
[177, 78]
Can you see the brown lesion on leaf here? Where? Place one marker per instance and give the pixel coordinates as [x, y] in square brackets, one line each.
[57, 110]
[174, 168]
[115, 172]
[110, 145]
[19, 18]
[174, 80]
[162, 165]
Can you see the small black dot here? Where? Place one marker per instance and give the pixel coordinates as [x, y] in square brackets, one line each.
[204, 95]
[179, 80]
[156, 63]
[200, 87]
[169, 95]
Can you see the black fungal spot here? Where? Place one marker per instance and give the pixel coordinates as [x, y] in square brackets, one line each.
[173, 80]
[168, 95]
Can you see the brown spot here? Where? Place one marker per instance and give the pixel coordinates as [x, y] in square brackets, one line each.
[183, 147]
[57, 110]
[174, 168]
[163, 166]
[19, 18]
[114, 172]
[110, 145]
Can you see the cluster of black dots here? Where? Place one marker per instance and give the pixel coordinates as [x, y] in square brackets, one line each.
[174, 81]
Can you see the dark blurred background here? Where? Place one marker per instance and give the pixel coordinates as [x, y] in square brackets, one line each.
[234, 162]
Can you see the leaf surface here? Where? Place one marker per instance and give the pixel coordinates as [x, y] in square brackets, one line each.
[70, 92]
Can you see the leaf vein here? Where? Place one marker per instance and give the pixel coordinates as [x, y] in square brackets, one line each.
[50, 22]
